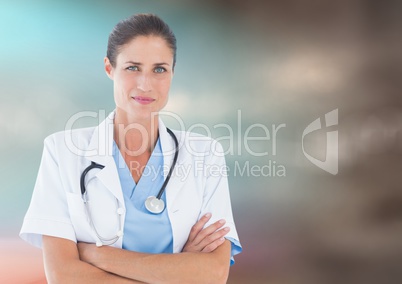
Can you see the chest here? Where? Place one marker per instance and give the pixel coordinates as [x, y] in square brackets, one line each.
[137, 165]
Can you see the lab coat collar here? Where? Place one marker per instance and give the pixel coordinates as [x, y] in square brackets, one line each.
[100, 151]
[168, 148]
[100, 148]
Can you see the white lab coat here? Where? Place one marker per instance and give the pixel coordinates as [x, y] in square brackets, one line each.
[57, 207]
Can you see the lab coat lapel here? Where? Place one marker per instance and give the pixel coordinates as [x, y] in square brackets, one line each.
[168, 148]
[100, 151]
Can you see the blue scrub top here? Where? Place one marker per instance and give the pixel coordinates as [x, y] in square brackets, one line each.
[144, 231]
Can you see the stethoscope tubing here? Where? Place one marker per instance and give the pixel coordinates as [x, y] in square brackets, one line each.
[94, 165]
[176, 154]
[153, 204]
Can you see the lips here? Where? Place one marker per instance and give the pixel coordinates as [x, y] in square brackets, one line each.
[143, 100]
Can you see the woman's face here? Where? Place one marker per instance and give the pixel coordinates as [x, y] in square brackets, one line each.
[142, 76]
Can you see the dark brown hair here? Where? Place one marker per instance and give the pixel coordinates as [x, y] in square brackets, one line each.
[139, 25]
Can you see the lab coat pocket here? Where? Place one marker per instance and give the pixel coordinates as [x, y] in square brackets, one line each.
[80, 219]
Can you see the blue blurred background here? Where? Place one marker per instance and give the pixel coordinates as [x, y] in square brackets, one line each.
[240, 63]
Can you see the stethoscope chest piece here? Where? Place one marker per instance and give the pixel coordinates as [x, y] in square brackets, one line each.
[154, 205]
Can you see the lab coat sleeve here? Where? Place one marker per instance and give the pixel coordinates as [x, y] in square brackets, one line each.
[48, 210]
[216, 199]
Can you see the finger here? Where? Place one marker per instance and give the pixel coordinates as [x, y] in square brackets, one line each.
[208, 231]
[197, 227]
[214, 245]
[213, 238]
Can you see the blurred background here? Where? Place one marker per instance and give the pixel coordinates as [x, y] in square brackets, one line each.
[241, 63]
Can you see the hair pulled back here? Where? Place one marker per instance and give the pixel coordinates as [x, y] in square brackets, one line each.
[139, 25]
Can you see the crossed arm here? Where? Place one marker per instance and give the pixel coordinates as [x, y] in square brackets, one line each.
[204, 259]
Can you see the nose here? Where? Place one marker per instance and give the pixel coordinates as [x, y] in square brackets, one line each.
[144, 83]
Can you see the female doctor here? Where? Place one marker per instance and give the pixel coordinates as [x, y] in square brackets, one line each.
[109, 203]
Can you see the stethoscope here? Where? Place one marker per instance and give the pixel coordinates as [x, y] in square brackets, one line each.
[154, 204]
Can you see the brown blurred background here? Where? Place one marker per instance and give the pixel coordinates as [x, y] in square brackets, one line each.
[330, 229]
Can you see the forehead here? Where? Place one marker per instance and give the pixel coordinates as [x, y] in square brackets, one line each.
[146, 49]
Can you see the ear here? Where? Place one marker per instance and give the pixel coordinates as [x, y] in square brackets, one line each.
[108, 68]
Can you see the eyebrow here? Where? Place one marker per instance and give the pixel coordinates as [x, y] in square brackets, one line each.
[138, 63]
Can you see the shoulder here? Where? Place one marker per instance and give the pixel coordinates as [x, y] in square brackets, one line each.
[198, 144]
[76, 135]
[71, 139]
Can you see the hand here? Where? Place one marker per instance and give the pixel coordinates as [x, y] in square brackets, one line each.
[207, 239]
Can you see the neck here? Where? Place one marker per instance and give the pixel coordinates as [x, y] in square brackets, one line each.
[135, 136]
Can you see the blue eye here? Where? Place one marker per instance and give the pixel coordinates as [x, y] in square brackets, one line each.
[132, 68]
[160, 70]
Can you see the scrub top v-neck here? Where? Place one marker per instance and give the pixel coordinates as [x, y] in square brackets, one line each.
[144, 231]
